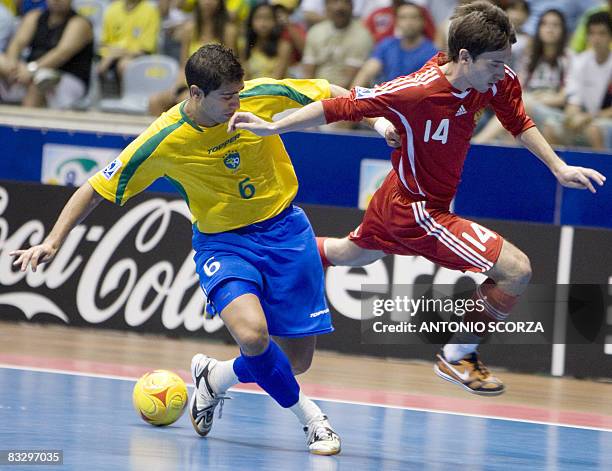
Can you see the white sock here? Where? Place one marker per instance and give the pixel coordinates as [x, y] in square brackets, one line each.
[306, 410]
[456, 351]
[222, 376]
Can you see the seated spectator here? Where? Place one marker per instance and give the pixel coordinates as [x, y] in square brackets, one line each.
[579, 39]
[314, 11]
[518, 12]
[292, 31]
[544, 69]
[381, 22]
[588, 113]
[7, 26]
[129, 30]
[338, 47]
[57, 69]
[542, 73]
[572, 10]
[266, 54]
[402, 55]
[210, 24]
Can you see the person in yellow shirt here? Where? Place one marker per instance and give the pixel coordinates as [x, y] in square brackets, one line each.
[210, 24]
[129, 29]
[255, 252]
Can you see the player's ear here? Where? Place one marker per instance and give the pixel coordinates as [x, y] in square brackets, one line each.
[196, 92]
[464, 56]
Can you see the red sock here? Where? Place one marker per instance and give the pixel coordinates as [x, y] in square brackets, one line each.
[496, 302]
[324, 260]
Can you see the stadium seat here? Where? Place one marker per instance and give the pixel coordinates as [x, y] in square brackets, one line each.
[143, 76]
[93, 10]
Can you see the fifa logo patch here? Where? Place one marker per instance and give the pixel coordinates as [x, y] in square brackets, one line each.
[111, 169]
[362, 92]
[232, 160]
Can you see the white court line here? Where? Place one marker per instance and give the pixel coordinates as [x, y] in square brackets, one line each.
[340, 401]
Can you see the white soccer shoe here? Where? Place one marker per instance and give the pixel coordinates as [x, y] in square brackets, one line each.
[321, 438]
[204, 400]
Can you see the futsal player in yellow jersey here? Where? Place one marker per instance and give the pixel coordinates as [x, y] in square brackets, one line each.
[255, 252]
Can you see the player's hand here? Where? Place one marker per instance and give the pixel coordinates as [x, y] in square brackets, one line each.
[33, 256]
[579, 177]
[249, 122]
[392, 137]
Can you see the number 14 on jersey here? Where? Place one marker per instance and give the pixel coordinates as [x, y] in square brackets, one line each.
[441, 132]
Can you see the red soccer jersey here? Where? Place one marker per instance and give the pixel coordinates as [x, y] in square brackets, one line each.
[436, 122]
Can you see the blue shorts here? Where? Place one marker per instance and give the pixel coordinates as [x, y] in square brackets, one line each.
[278, 261]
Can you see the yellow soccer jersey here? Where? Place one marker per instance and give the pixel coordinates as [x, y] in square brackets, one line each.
[228, 180]
[134, 30]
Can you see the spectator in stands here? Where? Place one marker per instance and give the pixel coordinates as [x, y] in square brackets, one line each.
[57, 69]
[314, 11]
[544, 69]
[579, 40]
[542, 72]
[337, 47]
[572, 10]
[210, 24]
[293, 32]
[7, 26]
[381, 22]
[130, 29]
[266, 54]
[518, 12]
[401, 55]
[588, 113]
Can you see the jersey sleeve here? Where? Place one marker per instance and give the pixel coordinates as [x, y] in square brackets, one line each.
[267, 97]
[388, 100]
[138, 165]
[508, 105]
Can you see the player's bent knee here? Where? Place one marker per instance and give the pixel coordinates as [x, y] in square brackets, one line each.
[253, 340]
[522, 268]
[300, 365]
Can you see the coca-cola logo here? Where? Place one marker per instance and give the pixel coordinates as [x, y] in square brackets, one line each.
[105, 285]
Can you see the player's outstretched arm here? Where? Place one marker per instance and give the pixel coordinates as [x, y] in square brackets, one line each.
[307, 117]
[82, 202]
[567, 175]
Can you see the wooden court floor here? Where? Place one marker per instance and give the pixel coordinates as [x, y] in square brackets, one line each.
[372, 378]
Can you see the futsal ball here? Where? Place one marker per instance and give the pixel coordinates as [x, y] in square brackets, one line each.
[160, 397]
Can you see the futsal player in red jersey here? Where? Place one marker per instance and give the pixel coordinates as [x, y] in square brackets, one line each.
[433, 110]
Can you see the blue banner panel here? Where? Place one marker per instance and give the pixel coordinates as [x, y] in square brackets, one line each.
[581, 207]
[506, 183]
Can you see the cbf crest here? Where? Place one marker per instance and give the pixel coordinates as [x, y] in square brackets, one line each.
[232, 160]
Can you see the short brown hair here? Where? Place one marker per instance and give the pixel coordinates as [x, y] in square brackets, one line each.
[479, 27]
[212, 66]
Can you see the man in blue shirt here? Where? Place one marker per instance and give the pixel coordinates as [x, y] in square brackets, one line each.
[399, 55]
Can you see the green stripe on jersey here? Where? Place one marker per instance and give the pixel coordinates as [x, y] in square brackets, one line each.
[277, 90]
[142, 154]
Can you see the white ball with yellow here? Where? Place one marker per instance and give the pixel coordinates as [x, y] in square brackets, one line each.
[160, 397]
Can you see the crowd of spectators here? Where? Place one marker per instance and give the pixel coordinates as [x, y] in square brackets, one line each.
[52, 52]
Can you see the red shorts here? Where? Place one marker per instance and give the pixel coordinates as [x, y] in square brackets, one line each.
[396, 224]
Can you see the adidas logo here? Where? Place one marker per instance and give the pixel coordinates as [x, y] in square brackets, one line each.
[461, 111]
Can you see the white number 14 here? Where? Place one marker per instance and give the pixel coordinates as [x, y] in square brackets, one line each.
[440, 134]
[483, 235]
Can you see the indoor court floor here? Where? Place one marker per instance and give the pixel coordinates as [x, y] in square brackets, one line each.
[70, 389]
